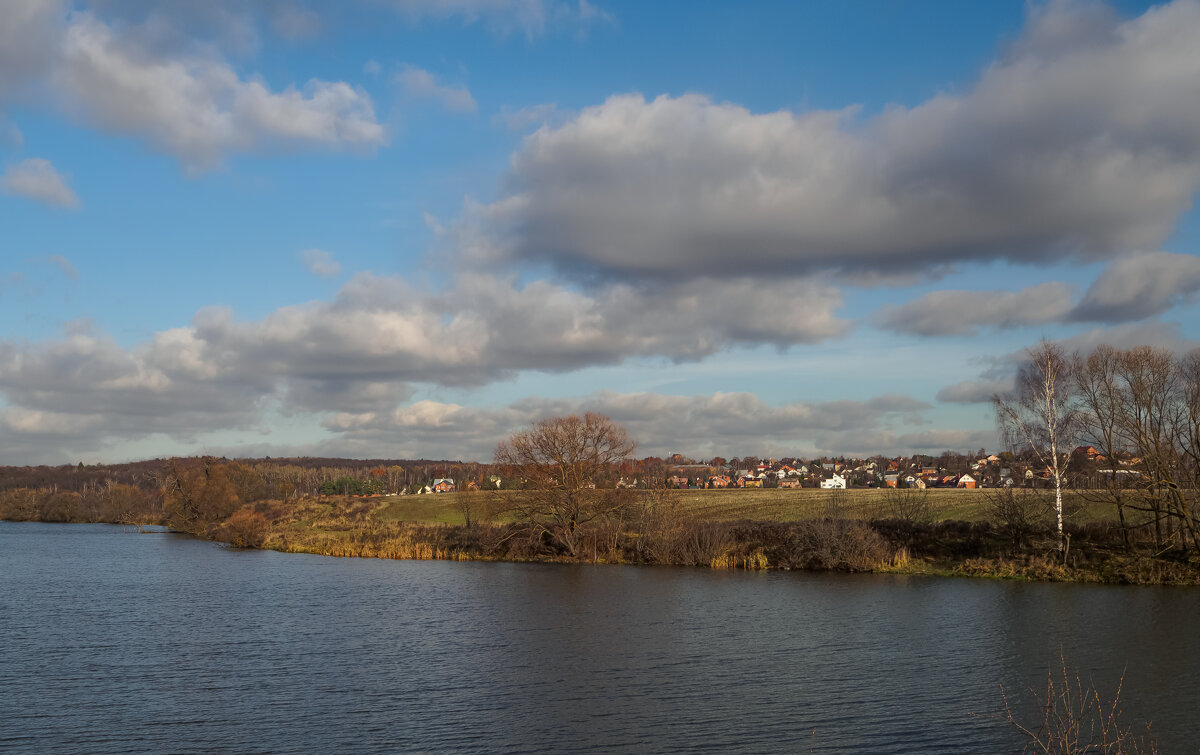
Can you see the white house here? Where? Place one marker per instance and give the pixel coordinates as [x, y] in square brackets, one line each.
[837, 482]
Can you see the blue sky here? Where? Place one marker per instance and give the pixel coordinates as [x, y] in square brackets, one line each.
[407, 228]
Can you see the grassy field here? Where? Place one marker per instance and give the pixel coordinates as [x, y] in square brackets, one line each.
[778, 505]
[750, 529]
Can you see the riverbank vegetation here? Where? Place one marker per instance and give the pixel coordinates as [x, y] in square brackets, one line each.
[1123, 508]
[981, 533]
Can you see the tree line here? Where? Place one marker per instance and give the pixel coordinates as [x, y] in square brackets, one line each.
[1139, 409]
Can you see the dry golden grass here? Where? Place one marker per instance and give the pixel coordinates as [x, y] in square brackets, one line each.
[770, 504]
[721, 529]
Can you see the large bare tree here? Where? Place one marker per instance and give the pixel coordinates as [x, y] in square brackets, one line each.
[1155, 415]
[1102, 398]
[564, 468]
[1042, 415]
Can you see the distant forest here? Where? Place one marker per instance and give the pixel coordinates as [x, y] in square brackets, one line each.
[261, 477]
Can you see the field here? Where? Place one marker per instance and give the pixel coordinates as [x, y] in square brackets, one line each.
[953, 532]
[775, 505]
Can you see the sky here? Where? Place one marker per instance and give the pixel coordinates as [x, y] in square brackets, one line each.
[409, 228]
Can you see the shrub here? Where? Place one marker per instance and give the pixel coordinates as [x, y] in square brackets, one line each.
[244, 529]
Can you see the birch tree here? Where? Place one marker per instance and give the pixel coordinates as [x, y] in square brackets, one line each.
[1042, 414]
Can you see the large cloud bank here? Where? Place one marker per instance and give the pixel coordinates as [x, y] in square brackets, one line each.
[1083, 141]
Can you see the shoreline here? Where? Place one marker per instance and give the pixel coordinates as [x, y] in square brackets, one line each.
[804, 533]
[752, 552]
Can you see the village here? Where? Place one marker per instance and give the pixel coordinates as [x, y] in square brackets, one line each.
[920, 471]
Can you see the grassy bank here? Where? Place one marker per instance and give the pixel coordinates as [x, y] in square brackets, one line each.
[767, 505]
[759, 529]
[946, 532]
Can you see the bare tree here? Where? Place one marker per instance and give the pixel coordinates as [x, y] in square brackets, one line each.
[1042, 415]
[1102, 398]
[564, 465]
[1077, 719]
[1019, 512]
[907, 504]
[1189, 369]
[1154, 415]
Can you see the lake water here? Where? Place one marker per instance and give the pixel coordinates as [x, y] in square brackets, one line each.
[117, 641]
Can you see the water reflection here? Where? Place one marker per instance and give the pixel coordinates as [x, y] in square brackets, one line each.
[154, 643]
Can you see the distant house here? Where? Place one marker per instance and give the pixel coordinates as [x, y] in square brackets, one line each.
[891, 480]
[749, 481]
[789, 482]
[443, 485]
[966, 481]
[836, 482]
[718, 481]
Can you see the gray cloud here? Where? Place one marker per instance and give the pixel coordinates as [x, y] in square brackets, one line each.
[1140, 286]
[294, 21]
[38, 180]
[532, 18]
[64, 264]
[526, 118]
[27, 42]
[888, 443]
[999, 377]
[85, 390]
[362, 352]
[1083, 148]
[976, 391]
[421, 84]
[722, 423]
[943, 313]
[320, 262]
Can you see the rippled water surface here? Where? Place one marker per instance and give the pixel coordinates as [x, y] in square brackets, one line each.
[115, 641]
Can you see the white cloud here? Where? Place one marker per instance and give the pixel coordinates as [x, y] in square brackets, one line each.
[421, 84]
[199, 109]
[38, 180]
[182, 97]
[320, 262]
[1083, 148]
